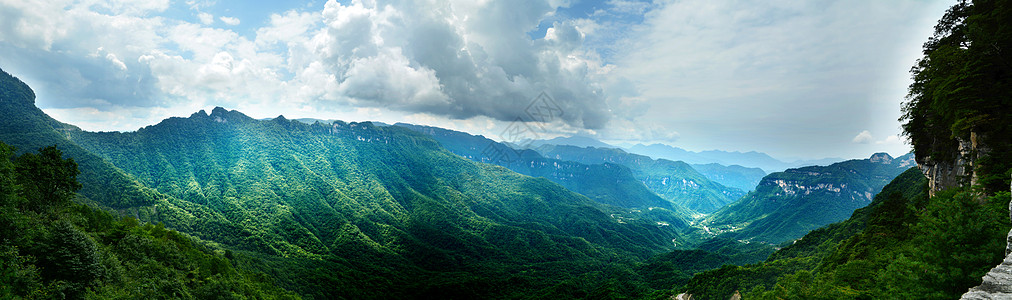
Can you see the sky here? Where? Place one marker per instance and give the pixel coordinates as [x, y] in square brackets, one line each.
[794, 79]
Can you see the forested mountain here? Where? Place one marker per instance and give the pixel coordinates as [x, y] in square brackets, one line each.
[606, 183]
[903, 245]
[788, 204]
[673, 180]
[351, 209]
[743, 178]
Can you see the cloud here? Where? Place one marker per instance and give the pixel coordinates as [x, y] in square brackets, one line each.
[788, 77]
[205, 18]
[231, 21]
[457, 60]
[863, 138]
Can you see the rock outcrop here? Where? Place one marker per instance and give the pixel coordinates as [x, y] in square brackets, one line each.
[957, 172]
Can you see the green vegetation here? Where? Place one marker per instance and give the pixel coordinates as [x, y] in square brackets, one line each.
[961, 91]
[675, 181]
[788, 204]
[607, 183]
[53, 247]
[903, 245]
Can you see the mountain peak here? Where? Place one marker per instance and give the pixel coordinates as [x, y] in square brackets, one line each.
[882, 158]
[15, 91]
[219, 111]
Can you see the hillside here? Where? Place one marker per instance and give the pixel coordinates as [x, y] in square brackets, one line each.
[673, 180]
[607, 183]
[54, 248]
[901, 246]
[788, 204]
[742, 178]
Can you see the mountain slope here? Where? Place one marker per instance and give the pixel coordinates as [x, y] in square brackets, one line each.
[735, 176]
[673, 180]
[788, 204]
[901, 246]
[606, 183]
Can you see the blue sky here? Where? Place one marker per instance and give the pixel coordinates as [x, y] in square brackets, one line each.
[796, 79]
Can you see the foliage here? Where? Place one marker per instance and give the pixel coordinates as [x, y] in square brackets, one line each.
[902, 246]
[783, 206]
[53, 247]
[962, 90]
[675, 181]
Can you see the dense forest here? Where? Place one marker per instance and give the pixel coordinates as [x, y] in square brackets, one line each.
[54, 247]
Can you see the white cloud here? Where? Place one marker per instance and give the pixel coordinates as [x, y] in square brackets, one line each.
[863, 138]
[715, 75]
[231, 21]
[205, 18]
[784, 77]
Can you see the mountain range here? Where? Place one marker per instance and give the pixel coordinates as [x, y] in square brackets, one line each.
[358, 208]
[750, 159]
[781, 208]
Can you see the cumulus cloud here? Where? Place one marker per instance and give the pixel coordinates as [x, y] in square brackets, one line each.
[457, 59]
[231, 21]
[205, 18]
[863, 138]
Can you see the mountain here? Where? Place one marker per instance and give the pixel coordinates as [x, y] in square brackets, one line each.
[786, 205]
[673, 180]
[578, 141]
[903, 245]
[347, 209]
[735, 176]
[751, 159]
[607, 183]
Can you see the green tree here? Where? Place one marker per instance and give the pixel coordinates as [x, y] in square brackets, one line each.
[46, 179]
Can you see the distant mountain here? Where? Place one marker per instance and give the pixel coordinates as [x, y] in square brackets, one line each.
[788, 204]
[672, 180]
[735, 176]
[607, 183]
[579, 141]
[748, 159]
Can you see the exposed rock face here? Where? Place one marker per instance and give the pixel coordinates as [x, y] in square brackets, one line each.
[958, 172]
[882, 158]
[997, 283]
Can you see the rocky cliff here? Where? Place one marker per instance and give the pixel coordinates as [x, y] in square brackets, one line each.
[944, 174]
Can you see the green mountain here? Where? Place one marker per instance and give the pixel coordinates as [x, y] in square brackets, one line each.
[350, 209]
[742, 178]
[903, 245]
[606, 183]
[788, 204]
[673, 180]
[54, 248]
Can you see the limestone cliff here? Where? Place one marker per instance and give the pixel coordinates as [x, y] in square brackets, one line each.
[944, 174]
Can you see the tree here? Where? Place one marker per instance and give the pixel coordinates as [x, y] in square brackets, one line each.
[962, 90]
[46, 179]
